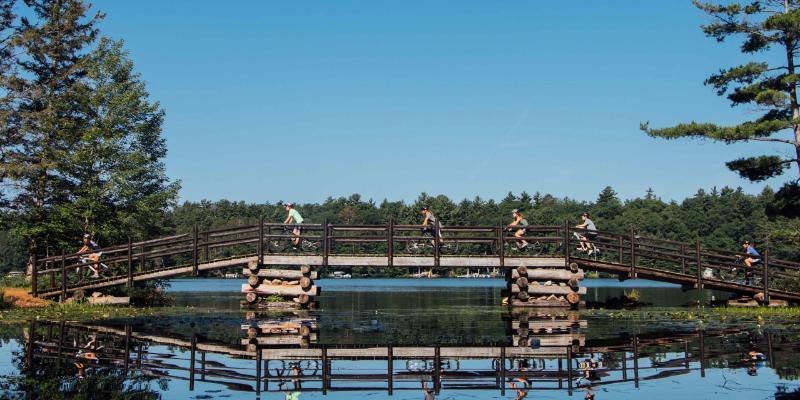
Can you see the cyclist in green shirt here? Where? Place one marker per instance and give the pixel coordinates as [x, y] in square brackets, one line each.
[294, 217]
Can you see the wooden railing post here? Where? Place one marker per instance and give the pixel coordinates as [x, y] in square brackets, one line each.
[142, 258]
[192, 351]
[34, 277]
[766, 277]
[261, 240]
[390, 250]
[194, 251]
[633, 254]
[130, 262]
[207, 255]
[436, 242]
[683, 258]
[699, 261]
[567, 245]
[620, 249]
[63, 276]
[501, 250]
[326, 242]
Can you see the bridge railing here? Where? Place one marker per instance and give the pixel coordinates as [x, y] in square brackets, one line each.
[672, 259]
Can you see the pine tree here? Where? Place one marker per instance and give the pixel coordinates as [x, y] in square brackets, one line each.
[772, 87]
[123, 188]
[44, 118]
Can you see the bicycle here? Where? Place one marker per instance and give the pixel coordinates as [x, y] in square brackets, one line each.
[513, 246]
[96, 267]
[287, 243]
[592, 249]
[749, 272]
[427, 365]
[422, 245]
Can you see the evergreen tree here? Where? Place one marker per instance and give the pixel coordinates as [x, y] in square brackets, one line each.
[44, 119]
[123, 188]
[608, 205]
[772, 87]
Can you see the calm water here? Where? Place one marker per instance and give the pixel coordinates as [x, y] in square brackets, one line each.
[341, 350]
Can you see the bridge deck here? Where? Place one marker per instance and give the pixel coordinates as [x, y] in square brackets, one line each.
[334, 260]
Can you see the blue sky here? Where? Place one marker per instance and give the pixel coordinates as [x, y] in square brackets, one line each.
[299, 101]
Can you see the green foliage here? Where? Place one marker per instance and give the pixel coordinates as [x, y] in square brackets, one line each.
[81, 141]
[765, 85]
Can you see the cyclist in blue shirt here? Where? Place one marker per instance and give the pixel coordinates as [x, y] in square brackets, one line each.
[751, 254]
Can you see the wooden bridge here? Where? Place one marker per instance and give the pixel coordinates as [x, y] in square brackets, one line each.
[391, 245]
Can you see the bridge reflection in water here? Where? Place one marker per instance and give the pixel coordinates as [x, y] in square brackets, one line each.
[544, 351]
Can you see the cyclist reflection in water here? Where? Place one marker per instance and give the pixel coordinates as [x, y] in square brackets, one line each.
[430, 394]
[296, 385]
[524, 383]
[86, 355]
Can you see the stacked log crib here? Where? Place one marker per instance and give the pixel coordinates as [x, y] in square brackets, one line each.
[267, 287]
[263, 332]
[546, 286]
[548, 332]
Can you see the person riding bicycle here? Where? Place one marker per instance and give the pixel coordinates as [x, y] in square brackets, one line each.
[429, 224]
[294, 217]
[588, 235]
[750, 258]
[91, 255]
[519, 220]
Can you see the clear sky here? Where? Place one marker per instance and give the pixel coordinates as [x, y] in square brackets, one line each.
[301, 100]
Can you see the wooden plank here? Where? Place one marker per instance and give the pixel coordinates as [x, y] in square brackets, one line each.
[412, 261]
[549, 274]
[108, 300]
[399, 353]
[541, 290]
[551, 340]
[280, 339]
[282, 290]
[535, 325]
[280, 273]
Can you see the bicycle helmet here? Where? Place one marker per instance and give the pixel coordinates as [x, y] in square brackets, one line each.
[424, 208]
[515, 211]
[290, 204]
[586, 214]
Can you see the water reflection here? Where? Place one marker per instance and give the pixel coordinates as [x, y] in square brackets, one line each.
[284, 355]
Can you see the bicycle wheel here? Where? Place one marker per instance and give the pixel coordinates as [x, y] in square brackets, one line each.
[413, 247]
[308, 245]
[537, 248]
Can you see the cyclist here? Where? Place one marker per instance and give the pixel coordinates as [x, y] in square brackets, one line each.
[519, 220]
[294, 217]
[750, 258]
[429, 225]
[91, 255]
[430, 394]
[751, 254]
[588, 235]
